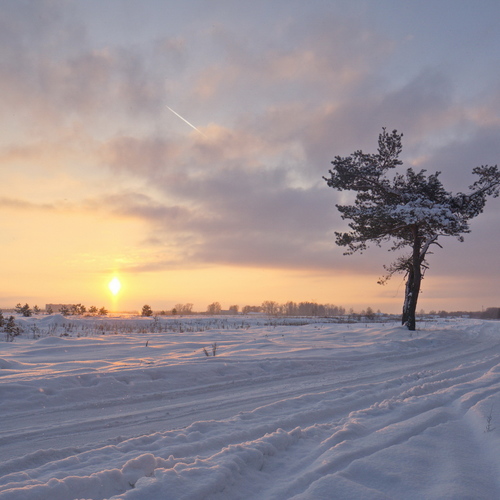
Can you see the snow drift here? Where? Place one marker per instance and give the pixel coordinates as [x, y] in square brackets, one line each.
[311, 410]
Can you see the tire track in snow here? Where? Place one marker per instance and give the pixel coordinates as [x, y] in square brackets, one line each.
[393, 422]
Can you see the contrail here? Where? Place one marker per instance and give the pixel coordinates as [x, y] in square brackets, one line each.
[184, 120]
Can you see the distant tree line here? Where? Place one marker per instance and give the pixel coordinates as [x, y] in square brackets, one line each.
[181, 309]
[290, 308]
[489, 313]
[272, 308]
[81, 310]
[65, 310]
[268, 307]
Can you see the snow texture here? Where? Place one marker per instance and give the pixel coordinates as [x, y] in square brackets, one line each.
[307, 410]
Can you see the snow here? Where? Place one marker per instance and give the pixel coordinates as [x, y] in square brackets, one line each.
[422, 210]
[305, 409]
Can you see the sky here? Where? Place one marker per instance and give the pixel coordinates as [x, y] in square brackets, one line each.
[181, 147]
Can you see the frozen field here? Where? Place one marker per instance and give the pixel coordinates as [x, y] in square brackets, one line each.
[304, 411]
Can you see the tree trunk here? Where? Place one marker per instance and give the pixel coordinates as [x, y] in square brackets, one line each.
[408, 289]
[413, 283]
[411, 298]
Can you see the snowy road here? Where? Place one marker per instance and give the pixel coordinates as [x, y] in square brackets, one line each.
[316, 411]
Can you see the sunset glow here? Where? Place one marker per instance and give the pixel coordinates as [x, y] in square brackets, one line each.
[178, 149]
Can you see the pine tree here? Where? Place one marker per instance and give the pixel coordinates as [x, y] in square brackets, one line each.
[26, 311]
[146, 310]
[11, 329]
[411, 210]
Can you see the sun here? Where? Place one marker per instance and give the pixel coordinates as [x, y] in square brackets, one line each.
[114, 285]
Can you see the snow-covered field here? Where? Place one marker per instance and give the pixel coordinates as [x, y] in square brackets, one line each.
[299, 411]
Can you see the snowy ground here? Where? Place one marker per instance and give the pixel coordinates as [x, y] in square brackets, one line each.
[316, 411]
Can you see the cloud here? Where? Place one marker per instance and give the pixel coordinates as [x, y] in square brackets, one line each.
[141, 206]
[148, 157]
[234, 218]
[327, 52]
[53, 76]
[458, 157]
[24, 205]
